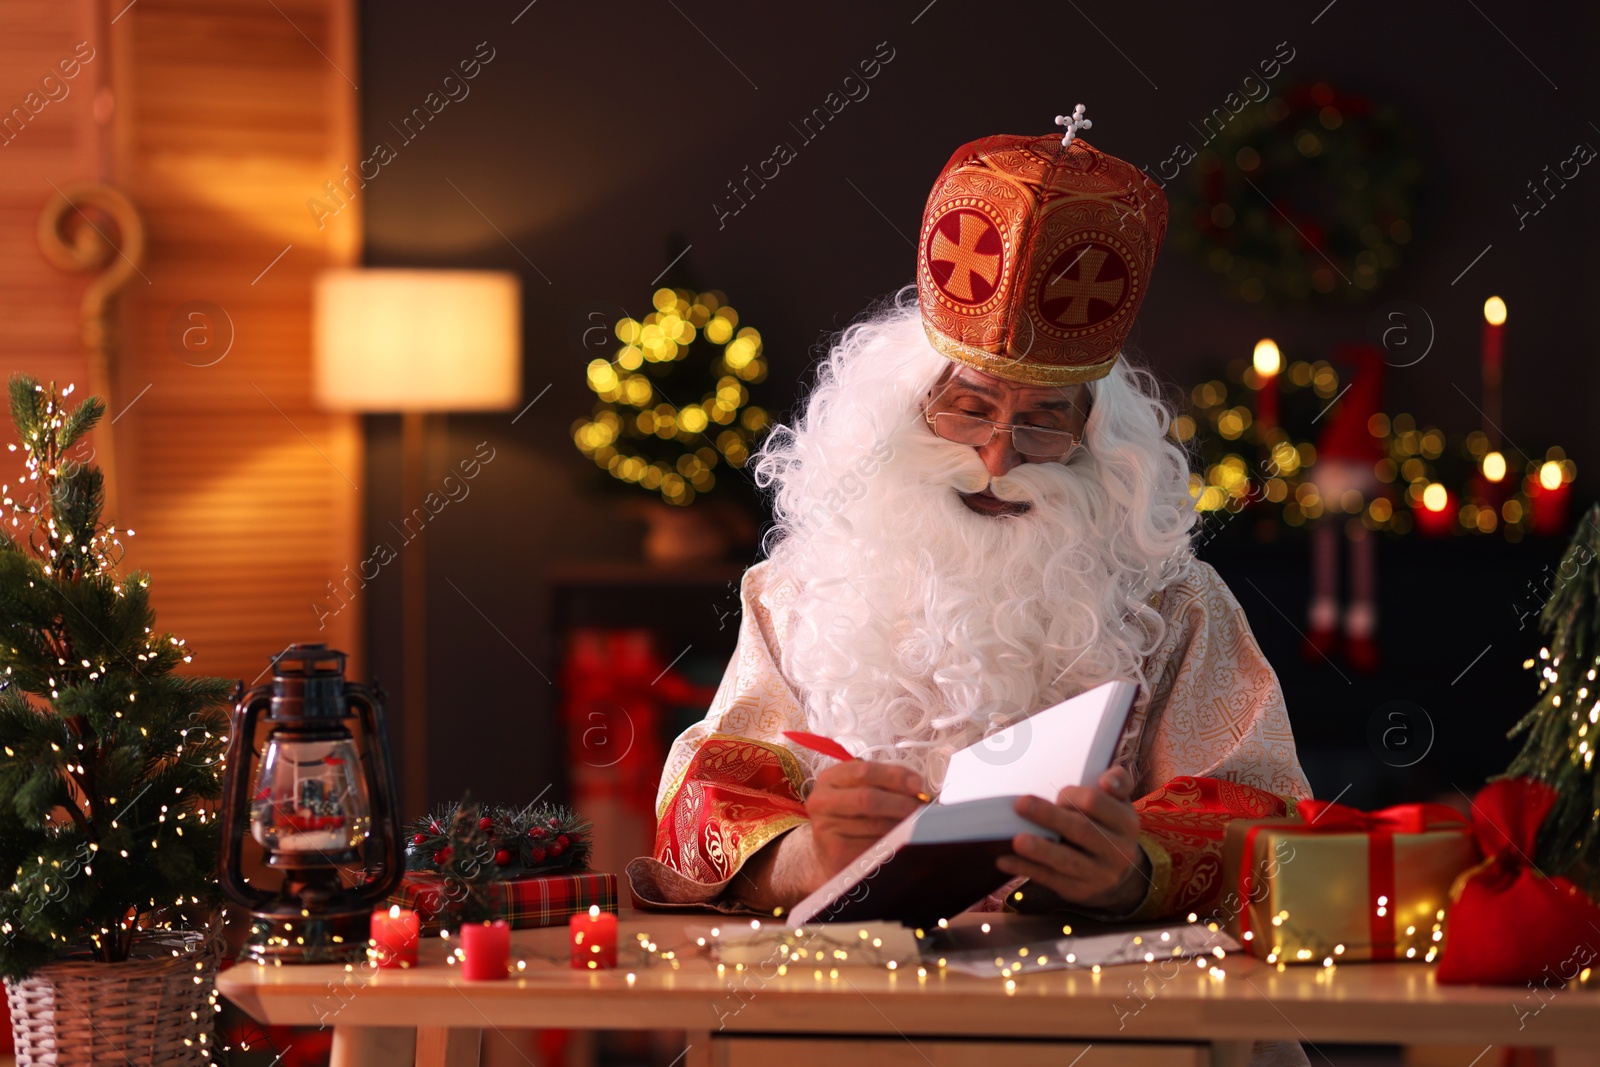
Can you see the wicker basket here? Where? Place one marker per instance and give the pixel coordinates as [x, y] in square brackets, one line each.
[150, 1012]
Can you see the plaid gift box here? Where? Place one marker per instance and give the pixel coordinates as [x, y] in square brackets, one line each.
[536, 900]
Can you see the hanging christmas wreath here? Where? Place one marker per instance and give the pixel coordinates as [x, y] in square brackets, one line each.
[1312, 192]
[665, 436]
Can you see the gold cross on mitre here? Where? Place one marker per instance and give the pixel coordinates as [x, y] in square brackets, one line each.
[1073, 122]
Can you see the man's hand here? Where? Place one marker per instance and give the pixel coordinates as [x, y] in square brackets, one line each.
[855, 803]
[851, 806]
[1098, 863]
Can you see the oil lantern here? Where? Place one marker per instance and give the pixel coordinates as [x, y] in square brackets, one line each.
[319, 803]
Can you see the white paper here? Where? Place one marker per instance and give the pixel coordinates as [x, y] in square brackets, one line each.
[1180, 941]
[1070, 743]
[735, 942]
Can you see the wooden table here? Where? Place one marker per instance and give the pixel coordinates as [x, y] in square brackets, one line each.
[1129, 1015]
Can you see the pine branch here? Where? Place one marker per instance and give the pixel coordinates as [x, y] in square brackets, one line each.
[537, 838]
[1563, 727]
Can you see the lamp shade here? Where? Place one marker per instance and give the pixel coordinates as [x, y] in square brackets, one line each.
[417, 340]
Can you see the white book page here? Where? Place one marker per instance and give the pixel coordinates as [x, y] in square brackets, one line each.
[1070, 743]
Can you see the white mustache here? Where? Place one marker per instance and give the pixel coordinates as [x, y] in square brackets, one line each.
[1027, 483]
[935, 462]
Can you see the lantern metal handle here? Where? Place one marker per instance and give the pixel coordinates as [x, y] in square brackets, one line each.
[236, 801]
[379, 768]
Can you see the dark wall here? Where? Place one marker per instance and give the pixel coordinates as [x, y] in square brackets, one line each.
[596, 130]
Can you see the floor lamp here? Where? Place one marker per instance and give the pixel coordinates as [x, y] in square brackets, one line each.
[417, 342]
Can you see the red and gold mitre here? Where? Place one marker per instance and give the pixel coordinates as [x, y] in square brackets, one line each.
[1035, 256]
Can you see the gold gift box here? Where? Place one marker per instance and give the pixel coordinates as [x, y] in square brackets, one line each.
[1312, 899]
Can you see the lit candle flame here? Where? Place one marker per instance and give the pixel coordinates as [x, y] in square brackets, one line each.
[1267, 359]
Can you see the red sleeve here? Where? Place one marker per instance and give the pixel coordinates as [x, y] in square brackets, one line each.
[735, 796]
[1181, 826]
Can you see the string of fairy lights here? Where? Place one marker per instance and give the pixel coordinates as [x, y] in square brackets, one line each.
[823, 949]
[1550, 675]
[57, 549]
[1408, 944]
[672, 444]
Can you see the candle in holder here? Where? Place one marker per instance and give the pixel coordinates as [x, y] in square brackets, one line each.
[486, 950]
[594, 939]
[1549, 495]
[1494, 326]
[1267, 361]
[394, 937]
[1437, 514]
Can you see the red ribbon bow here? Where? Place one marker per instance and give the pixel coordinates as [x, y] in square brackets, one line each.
[1326, 817]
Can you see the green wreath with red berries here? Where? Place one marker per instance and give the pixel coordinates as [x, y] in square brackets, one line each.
[486, 843]
[1310, 194]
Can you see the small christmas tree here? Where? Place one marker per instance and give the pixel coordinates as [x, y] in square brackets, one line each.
[693, 348]
[107, 757]
[1564, 725]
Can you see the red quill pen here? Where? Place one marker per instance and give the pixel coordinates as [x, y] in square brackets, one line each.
[829, 747]
[816, 743]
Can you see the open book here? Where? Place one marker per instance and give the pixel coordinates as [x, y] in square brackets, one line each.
[940, 859]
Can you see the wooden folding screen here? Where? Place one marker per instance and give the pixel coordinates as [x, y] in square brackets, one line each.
[220, 120]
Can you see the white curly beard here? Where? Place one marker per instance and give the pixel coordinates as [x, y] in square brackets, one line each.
[918, 623]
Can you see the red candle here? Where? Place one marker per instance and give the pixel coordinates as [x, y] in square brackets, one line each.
[1548, 497]
[394, 937]
[1267, 361]
[1494, 325]
[594, 939]
[1436, 511]
[486, 950]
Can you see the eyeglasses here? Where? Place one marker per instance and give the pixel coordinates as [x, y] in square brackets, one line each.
[1034, 441]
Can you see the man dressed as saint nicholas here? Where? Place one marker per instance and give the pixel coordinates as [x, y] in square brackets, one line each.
[980, 512]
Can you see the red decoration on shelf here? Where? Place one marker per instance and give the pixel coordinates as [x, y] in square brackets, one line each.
[1439, 523]
[1547, 506]
[1267, 362]
[619, 692]
[1494, 327]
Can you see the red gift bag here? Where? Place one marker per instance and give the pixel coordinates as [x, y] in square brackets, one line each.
[1509, 923]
